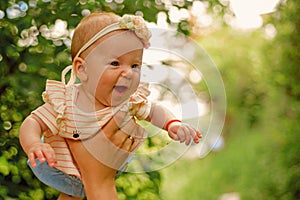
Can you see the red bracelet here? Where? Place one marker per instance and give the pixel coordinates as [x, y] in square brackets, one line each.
[170, 122]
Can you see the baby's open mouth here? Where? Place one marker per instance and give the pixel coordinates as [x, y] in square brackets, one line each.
[120, 89]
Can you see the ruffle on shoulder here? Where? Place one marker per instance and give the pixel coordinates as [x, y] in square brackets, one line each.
[141, 94]
[139, 105]
[56, 94]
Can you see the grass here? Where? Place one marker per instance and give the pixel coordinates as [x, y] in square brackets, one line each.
[247, 165]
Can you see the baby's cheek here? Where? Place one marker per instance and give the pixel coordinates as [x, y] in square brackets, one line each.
[134, 86]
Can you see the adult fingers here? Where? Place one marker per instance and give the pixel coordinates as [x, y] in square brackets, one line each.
[135, 135]
[119, 118]
[123, 140]
[114, 124]
[128, 144]
[119, 138]
[131, 128]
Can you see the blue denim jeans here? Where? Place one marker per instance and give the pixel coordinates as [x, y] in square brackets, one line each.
[62, 182]
[57, 179]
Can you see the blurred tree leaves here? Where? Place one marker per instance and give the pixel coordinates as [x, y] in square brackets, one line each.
[285, 76]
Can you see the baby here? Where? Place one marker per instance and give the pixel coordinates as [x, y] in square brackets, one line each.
[89, 129]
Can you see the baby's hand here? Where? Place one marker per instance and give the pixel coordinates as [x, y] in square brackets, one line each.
[44, 152]
[183, 132]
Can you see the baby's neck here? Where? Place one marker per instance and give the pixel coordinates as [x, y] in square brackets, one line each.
[86, 102]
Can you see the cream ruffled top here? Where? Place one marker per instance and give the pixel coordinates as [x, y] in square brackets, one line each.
[75, 124]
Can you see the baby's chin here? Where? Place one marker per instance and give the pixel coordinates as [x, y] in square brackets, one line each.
[119, 97]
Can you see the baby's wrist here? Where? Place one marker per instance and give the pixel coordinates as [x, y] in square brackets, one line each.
[168, 124]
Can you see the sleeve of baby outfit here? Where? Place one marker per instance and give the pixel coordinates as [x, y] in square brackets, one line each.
[52, 112]
[47, 114]
[140, 105]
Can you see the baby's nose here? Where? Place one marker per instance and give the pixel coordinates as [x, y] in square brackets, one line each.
[127, 72]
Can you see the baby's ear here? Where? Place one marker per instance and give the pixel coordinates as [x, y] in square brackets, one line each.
[80, 69]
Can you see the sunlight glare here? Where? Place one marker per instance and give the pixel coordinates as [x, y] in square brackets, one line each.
[248, 12]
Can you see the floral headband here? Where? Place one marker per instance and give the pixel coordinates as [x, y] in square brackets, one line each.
[130, 22]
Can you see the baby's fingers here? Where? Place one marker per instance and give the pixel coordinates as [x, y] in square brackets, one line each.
[183, 134]
[32, 158]
[173, 135]
[190, 133]
[193, 134]
[42, 152]
[37, 154]
[197, 137]
[50, 157]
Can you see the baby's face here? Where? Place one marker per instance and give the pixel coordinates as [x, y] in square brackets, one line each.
[114, 68]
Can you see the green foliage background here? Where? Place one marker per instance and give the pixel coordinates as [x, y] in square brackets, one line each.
[260, 159]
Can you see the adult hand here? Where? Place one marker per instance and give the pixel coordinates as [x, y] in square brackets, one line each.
[116, 141]
[124, 134]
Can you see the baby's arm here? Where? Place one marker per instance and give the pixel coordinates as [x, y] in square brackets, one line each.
[30, 139]
[163, 118]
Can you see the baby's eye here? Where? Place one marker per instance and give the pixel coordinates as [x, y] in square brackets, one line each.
[135, 66]
[114, 63]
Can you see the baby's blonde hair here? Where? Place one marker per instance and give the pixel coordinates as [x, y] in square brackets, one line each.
[88, 27]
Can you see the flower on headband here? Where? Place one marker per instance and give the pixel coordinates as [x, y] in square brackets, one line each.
[138, 25]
